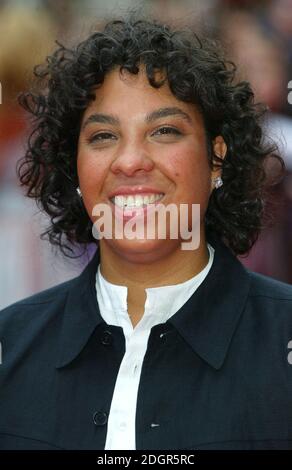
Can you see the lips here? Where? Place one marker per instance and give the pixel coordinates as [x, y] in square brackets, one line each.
[126, 213]
[134, 190]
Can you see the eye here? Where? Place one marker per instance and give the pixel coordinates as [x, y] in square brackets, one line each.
[102, 137]
[164, 131]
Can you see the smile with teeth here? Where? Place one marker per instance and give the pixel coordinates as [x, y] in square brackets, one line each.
[136, 200]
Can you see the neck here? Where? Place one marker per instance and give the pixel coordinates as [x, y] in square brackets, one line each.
[175, 268]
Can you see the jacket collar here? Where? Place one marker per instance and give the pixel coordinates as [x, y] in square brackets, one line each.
[81, 314]
[207, 321]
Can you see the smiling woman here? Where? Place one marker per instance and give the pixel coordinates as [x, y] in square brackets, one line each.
[156, 149]
[135, 118]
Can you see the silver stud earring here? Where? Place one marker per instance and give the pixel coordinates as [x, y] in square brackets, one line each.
[79, 192]
[217, 182]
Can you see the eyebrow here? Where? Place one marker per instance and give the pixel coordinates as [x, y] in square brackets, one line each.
[153, 116]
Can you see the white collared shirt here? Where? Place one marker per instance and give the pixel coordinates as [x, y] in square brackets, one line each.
[161, 303]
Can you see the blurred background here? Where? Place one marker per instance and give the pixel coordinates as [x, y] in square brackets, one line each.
[257, 35]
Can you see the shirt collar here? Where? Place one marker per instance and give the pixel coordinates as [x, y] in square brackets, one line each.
[207, 321]
[161, 302]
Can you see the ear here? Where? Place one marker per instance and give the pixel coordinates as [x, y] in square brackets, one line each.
[220, 150]
[219, 147]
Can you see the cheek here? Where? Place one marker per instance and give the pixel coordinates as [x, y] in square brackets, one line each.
[191, 172]
[90, 170]
[91, 174]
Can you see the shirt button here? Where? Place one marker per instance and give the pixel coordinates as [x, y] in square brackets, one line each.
[107, 338]
[100, 418]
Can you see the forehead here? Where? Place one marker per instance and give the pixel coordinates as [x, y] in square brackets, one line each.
[129, 95]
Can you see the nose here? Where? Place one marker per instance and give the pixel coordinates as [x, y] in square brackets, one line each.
[131, 159]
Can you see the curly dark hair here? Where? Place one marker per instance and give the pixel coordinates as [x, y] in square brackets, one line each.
[197, 72]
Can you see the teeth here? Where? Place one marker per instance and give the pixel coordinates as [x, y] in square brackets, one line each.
[136, 201]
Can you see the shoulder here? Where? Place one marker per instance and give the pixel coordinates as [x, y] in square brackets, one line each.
[269, 288]
[37, 306]
[270, 303]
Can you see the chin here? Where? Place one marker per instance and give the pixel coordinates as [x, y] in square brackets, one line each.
[143, 251]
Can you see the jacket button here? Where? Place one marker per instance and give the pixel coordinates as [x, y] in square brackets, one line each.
[107, 338]
[100, 418]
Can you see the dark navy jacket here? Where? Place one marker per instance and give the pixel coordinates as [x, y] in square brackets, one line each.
[220, 378]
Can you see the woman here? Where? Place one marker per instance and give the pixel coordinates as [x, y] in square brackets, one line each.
[152, 346]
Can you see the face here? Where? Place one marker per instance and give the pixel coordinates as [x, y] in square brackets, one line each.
[136, 139]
